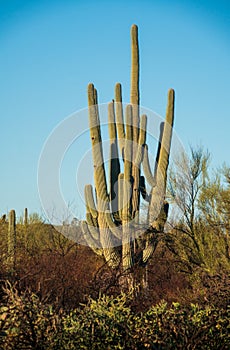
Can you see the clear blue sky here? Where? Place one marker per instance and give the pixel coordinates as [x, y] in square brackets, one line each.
[50, 51]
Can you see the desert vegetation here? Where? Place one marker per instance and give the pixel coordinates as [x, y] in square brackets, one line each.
[57, 294]
[166, 288]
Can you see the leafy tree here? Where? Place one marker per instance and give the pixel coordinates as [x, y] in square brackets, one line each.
[199, 231]
[214, 203]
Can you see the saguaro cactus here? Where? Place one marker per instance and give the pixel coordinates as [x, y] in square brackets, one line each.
[25, 219]
[112, 227]
[11, 241]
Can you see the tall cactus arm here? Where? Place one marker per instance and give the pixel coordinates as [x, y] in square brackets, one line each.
[166, 136]
[98, 160]
[135, 100]
[134, 93]
[158, 192]
[111, 254]
[119, 117]
[92, 98]
[112, 123]
[141, 141]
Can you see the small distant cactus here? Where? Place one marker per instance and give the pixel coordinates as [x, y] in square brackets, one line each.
[11, 241]
[112, 217]
[3, 219]
[25, 221]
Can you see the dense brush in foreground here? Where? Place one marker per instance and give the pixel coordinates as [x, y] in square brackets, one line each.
[110, 323]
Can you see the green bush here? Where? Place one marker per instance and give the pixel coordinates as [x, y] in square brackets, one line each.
[105, 323]
[183, 327]
[109, 323]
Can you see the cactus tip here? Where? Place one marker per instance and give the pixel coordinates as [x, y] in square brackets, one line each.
[171, 92]
[90, 86]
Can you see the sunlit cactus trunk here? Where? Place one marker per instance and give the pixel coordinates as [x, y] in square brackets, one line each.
[11, 258]
[112, 227]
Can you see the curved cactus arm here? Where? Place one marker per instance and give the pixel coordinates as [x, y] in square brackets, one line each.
[116, 230]
[93, 227]
[90, 203]
[147, 169]
[92, 243]
[158, 192]
[119, 117]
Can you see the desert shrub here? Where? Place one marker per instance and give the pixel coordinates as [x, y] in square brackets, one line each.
[183, 327]
[105, 323]
[25, 323]
[110, 323]
[57, 269]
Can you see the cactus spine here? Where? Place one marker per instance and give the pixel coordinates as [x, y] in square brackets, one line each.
[11, 241]
[112, 219]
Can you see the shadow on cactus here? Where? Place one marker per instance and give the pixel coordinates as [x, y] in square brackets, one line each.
[113, 228]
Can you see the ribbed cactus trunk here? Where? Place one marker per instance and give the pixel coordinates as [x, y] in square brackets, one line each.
[11, 259]
[112, 224]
